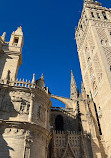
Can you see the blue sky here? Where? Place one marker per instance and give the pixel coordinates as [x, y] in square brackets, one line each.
[49, 44]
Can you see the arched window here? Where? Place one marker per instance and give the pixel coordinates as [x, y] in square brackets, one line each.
[106, 42]
[59, 123]
[110, 67]
[102, 42]
[98, 15]
[104, 15]
[92, 14]
[89, 59]
[81, 27]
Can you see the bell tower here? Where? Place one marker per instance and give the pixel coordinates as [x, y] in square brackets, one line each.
[16, 40]
[93, 38]
[11, 55]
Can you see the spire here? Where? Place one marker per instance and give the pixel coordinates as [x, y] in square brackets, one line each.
[42, 77]
[16, 40]
[19, 31]
[73, 87]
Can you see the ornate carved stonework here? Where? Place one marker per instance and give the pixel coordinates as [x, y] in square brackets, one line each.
[66, 144]
[24, 127]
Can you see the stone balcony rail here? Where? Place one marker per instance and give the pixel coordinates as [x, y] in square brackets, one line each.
[22, 83]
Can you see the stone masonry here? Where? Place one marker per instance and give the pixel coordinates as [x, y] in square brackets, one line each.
[30, 127]
[93, 37]
[24, 106]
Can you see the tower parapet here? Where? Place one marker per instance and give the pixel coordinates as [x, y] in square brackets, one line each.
[16, 40]
[11, 55]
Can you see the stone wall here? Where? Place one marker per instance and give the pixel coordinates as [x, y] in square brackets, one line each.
[24, 120]
[70, 121]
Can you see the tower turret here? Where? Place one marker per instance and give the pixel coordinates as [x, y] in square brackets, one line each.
[40, 82]
[73, 87]
[16, 40]
[11, 55]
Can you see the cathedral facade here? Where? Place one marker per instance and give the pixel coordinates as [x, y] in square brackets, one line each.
[30, 127]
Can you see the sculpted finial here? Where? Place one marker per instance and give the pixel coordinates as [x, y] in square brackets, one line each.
[33, 80]
[42, 77]
[3, 36]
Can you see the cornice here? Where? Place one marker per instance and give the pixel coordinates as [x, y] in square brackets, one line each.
[33, 127]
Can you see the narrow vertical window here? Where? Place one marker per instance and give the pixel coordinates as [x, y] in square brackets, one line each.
[104, 15]
[110, 38]
[98, 15]
[89, 59]
[106, 42]
[16, 40]
[102, 42]
[92, 14]
[86, 17]
[99, 126]
[59, 123]
[81, 26]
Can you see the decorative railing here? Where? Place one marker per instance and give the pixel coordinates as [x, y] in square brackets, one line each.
[23, 83]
